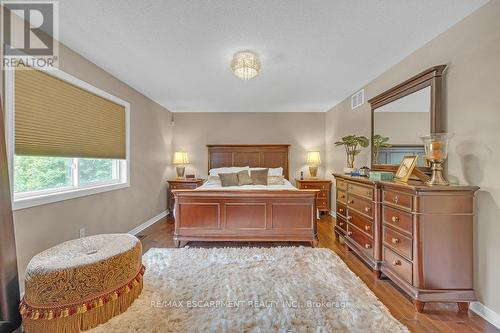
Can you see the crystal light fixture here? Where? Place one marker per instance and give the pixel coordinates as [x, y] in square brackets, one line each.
[246, 65]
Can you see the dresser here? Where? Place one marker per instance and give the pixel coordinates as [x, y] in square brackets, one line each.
[323, 185]
[418, 236]
[180, 184]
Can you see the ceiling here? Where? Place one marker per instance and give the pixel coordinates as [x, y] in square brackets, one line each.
[314, 53]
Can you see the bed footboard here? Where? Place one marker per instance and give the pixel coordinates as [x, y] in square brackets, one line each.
[254, 215]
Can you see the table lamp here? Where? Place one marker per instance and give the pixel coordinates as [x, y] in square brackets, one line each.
[180, 159]
[313, 160]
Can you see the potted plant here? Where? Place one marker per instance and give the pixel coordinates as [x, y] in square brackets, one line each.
[379, 141]
[351, 143]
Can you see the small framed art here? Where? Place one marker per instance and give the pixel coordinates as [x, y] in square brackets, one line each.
[405, 169]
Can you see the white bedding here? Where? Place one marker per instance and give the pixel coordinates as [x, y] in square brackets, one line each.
[286, 186]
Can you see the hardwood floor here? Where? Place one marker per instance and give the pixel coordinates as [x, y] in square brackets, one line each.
[438, 317]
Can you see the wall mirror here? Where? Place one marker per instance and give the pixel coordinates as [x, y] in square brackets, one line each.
[404, 113]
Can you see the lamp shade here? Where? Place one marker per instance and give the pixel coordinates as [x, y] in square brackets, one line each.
[313, 158]
[180, 157]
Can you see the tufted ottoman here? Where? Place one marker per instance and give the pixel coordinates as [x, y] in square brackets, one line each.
[82, 283]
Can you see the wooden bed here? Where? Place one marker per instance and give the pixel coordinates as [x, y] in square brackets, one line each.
[245, 215]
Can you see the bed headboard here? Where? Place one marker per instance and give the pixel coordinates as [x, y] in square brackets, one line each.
[265, 156]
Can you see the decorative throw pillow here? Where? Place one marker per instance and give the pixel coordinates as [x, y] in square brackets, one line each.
[228, 179]
[259, 177]
[213, 180]
[275, 180]
[244, 178]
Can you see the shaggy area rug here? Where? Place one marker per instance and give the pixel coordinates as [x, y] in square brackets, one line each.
[282, 289]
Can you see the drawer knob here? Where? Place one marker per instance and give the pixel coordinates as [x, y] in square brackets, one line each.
[367, 209]
[350, 201]
[368, 246]
[305, 186]
[367, 228]
[395, 199]
[349, 218]
[341, 210]
[341, 223]
[349, 233]
[395, 219]
[395, 241]
[396, 263]
[342, 196]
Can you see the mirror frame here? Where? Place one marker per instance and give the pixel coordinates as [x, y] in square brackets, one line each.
[431, 77]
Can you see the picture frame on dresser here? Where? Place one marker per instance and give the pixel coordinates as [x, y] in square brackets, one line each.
[405, 169]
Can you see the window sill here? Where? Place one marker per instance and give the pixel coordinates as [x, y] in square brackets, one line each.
[22, 203]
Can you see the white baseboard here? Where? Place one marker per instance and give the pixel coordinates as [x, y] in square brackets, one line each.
[148, 223]
[333, 213]
[486, 313]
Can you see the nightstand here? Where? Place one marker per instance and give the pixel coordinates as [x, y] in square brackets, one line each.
[324, 185]
[180, 184]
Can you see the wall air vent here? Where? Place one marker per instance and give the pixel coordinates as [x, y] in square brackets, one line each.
[357, 99]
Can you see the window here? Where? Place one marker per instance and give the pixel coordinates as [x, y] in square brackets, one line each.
[40, 174]
[40, 179]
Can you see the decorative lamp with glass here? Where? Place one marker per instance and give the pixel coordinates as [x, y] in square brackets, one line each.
[313, 160]
[436, 151]
[180, 161]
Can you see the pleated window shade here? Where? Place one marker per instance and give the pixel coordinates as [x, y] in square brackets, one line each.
[56, 118]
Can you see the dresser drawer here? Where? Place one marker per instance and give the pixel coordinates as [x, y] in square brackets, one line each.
[321, 204]
[399, 199]
[363, 191]
[342, 224]
[341, 184]
[397, 218]
[323, 194]
[183, 186]
[341, 210]
[315, 186]
[360, 222]
[364, 242]
[398, 265]
[398, 242]
[341, 196]
[363, 206]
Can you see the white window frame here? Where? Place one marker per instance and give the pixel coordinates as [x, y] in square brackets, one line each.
[42, 197]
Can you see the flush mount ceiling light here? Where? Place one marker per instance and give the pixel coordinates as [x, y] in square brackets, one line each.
[246, 65]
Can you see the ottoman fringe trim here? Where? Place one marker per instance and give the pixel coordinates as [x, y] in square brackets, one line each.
[81, 316]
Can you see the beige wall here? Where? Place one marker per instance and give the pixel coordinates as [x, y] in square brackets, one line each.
[304, 131]
[471, 49]
[41, 227]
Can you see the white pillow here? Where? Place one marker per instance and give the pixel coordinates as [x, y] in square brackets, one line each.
[214, 180]
[275, 171]
[272, 171]
[216, 171]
